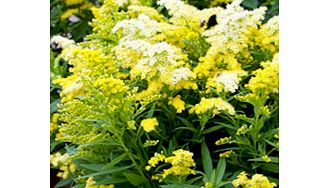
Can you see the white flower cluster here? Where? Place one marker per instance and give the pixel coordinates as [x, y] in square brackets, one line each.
[161, 52]
[121, 3]
[205, 14]
[178, 8]
[229, 80]
[184, 14]
[180, 74]
[57, 159]
[142, 27]
[234, 23]
[63, 42]
[272, 26]
[161, 57]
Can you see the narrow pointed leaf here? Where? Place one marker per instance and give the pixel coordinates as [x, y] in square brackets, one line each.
[206, 159]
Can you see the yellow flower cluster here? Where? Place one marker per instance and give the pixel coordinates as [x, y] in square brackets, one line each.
[265, 81]
[223, 141]
[135, 10]
[64, 163]
[131, 125]
[266, 158]
[54, 122]
[243, 129]
[266, 78]
[110, 86]
[178, 103]
[155, 160]
[149, 124]
[208, 185]
[227, 154]
[256, 181]
[71, 87]
[91, 184]
[267, 37]
[73, 2]
[215, 105]
[149, 143]
[181, 164]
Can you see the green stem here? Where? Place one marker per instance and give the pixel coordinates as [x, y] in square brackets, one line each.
[132, 159]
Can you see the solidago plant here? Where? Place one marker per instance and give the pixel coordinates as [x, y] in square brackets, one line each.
[157, 95]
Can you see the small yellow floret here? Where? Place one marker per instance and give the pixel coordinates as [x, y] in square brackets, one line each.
[177, 103]
[149, 124]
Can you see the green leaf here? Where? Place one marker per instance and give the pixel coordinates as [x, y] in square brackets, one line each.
[191, 181]
[271, 167]
[134, 179]
[150, 113]
[213, 176]
[110, 180]
[171, 146]
[220, 170]
[212, 129]
[186, 122]
[104, 143]
[250, 3]
[180, 186]
[206, 159]
[271, 143]
[54, 144]
[79, 186]
[274, 180]
[187, 128]
[63, 182]
[115, 161]
[108, 171]
[94, 167]
[260, 159]
[223, 183]
[225, 125]
[53, 105]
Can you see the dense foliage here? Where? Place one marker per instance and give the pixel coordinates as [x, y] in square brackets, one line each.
[169, 94]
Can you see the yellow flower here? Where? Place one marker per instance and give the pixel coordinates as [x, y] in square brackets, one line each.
[131, 125]
[242, 130]
[260, 181]
[64, 163]
[265, 80]
[227, 154]
[69, 12]
[266, 158]
[73, 2]
[149, 143]
[256, 181]
[177, 103]
[181, 163]
[155, 160]
[242, 180]
[54, 122]
[149, 124]
[148, 168]
[208, 185]
[215, 105]
[90, 183]
[223, 141]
